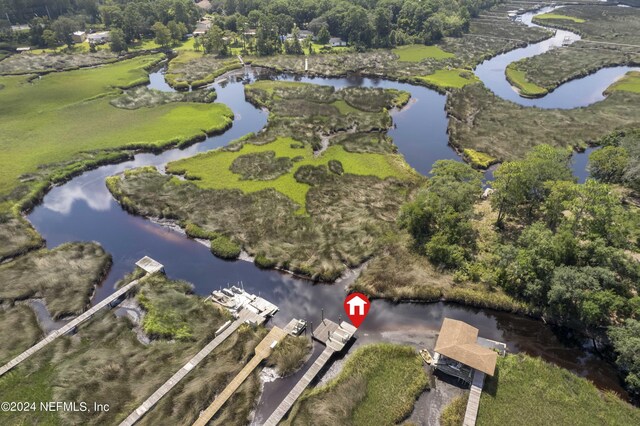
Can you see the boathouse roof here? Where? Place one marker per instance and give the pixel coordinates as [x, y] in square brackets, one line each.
[459, 341]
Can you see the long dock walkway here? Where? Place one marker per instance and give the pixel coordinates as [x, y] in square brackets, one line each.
[297, 390]
[245, 315]
[335, 337]
[474, 399]
[70, 326]
[262, 351]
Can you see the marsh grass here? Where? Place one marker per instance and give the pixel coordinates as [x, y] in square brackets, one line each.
[599, 22]
[481, 121]
[142, 96]
[183, 404]
[543, 393]
[290, 354]
[446, 63]
[64, 277]
[17, 236]
[19, 330]
[191, 68]
[453, 414]
[378, 385]
[53, 62]
[312, 213]
[419, 52]
[594, 22]
[106, 363]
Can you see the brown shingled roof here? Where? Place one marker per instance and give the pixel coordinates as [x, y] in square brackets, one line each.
[458, 341]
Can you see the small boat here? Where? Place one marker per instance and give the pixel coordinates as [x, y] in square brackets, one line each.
[426, 356]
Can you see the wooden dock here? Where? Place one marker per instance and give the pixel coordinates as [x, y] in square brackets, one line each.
[473, 404]
[297, 390]
[262, 351]
[335, 337]
[69, 327]
[244, 316]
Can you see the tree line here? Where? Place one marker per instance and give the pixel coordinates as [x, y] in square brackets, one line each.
[361, 23]
[564, 248]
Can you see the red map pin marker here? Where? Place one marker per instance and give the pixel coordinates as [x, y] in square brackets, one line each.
[357, 305]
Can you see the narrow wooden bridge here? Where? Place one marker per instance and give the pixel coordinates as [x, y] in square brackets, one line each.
[262, 351]
[245, 315]
[69, 327]
[473, 404]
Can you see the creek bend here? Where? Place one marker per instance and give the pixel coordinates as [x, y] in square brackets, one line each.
[84, 210]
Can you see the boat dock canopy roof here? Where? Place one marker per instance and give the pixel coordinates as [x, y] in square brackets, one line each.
[459, 341]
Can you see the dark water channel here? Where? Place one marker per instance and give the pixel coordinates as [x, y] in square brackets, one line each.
[84, 210]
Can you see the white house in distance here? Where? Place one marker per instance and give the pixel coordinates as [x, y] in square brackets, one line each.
[337, 42]
[99, 37]
[79, 36]
[357, 303]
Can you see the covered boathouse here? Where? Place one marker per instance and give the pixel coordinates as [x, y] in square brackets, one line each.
[459, 351]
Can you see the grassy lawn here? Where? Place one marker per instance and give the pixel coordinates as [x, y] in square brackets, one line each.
[213, 169]
[378, 385]
[544, 394]
[629, 83]
[519, 79]
[453, 78]
[62, 114]
[419, 52]
[561, 17]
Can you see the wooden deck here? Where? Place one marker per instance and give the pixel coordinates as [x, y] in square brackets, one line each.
[297, 390]
[474, 399]
[244, 316]
[69, 327]
[262, 351]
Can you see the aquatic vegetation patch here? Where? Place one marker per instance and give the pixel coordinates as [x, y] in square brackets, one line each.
[419, 52]
[451, 78]
[629, 83]
[526, 387]
[378, 385]
[519, 79]
[64, 277]
[546, 16]
[478, 159]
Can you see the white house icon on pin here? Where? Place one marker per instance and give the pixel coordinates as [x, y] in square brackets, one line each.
[356, 302]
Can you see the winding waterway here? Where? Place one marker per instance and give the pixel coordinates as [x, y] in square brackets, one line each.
[83, 210]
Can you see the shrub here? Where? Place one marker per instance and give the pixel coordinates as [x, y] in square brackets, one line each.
[225, 248]
[263, 262]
